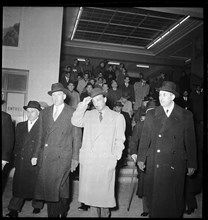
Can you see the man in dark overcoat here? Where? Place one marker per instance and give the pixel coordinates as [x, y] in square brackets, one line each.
[25, 174]
[57, 153]
[7, 142]
[167, 151]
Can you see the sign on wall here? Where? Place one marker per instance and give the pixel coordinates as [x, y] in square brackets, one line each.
[15, 103]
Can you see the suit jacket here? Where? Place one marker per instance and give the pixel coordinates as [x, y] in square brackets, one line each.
[129, 90]
[7, 136]
[185, 104]
[63, 81]
[25, 174]
[168, 148]
[59, 143]
[102, 146]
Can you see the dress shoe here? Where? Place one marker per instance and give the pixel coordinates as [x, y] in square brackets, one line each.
[64, 215]
[12, 214]
[36, 211]
[83, 207]
[144, 213]
[189, 211]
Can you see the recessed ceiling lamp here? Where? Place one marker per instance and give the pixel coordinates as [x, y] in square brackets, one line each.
[76, 23]
[113, 63]
[142, 66]
[168, 32]
[81, 59]
[188, 60]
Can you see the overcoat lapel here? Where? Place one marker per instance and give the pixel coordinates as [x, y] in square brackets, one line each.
[32, 132]
[164, 122]
[60, 121]
[106, 120]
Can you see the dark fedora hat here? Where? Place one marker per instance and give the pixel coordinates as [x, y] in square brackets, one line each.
[96, 91]
[169, 86]
[146, 99]
[151, 104]
[125, 95]
[57, 87]
[33, 104]
[118, 103]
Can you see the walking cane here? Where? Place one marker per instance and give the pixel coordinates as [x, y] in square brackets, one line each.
[132, 187]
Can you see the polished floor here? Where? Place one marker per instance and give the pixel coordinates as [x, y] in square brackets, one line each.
[120, 211]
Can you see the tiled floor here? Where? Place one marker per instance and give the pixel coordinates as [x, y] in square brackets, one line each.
[121, 211]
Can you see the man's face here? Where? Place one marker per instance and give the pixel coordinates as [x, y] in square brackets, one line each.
[126, 80]
[32, 114]
[99, 102]
[114, 84]
[185, 93]
[71, 87]
[117, 108]
[58, 98]
[86, 76]
[166, 98]
[89, 88]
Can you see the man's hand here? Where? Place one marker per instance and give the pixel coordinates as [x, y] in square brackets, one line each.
[190, 171]
[141, 165]
[34, 161]
[74, 165]
[86, 100]
[134, 157]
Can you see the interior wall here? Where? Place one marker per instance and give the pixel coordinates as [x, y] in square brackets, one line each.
[39, 50]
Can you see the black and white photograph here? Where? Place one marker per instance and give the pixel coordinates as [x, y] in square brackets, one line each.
[104, 111]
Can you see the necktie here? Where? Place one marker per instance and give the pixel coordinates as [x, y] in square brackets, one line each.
[55, 115]
[167, 112]
[100, 116]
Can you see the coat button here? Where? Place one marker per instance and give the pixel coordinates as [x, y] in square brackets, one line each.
[159, 135]
[158, 150]
[46, 145]
[157, 165]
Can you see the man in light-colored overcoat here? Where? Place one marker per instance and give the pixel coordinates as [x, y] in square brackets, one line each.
[102, 146]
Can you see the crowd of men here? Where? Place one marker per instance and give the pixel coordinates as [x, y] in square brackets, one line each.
[98, 118]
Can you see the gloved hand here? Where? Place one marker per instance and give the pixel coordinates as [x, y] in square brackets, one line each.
[141, 165]
[134, 157]
[34, 161]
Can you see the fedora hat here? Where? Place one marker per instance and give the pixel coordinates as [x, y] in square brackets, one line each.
[118, 103]
[96, 91]
[151, 104]
[125, 95]
[33, 104]
[169, 86]
[146, 98]
[57, 87]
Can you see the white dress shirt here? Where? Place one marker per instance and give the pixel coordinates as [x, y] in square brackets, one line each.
[59, 109]
[30, 124]
[170, 109]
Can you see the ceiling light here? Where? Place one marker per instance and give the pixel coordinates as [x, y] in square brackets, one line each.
[142, 66]
[81, 59]
[188, 60]
[113, 63]
[76, 23]
[160, 38]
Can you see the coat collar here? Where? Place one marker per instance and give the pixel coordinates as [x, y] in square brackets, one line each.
[176, 113]
[167, 123]
[60, 121]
